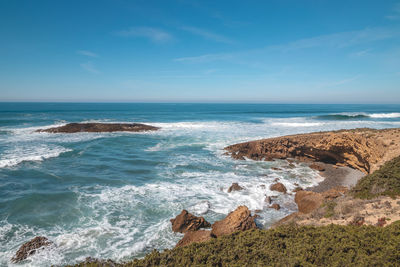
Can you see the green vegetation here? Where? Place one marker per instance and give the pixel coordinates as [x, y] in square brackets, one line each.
[331, 245]
[329, 208]
[385, 181]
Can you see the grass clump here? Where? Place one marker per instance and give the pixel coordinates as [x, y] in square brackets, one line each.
[289, 245]
[383, 182]
[329, 209]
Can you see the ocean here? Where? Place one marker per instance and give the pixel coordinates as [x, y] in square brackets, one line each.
[111, 195]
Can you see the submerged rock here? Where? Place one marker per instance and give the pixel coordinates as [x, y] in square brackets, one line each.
[186, 221]
[234, 187]
[275, 206]
[100, 127]
[278, 187]
[194, 237]
[239, 219]
[29, 248]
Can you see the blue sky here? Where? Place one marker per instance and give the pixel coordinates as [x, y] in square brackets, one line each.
[200, 51]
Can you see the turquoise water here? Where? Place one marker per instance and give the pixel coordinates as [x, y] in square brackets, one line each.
[111, 195]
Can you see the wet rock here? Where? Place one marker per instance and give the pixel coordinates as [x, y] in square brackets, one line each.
[278, 187]
[234, 187]
[268, 200]
[238, 220]
[262, 186]
[258, 211]
[276, 169]
[100, 127]
[316, 166]
[308, 201]
[194, 237]
[186, 221]
[275, 206]
[29, 248]
[298, 188]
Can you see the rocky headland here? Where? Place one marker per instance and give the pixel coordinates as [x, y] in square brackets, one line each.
[351, 218]
[99, 128]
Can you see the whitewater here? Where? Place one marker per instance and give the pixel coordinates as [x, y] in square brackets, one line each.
[111, 195]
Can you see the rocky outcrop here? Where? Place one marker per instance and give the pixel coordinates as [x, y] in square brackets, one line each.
[278, 187]
[29, 248]
[234, 187]
[194, 237]
[308, 201]
[362, 149]
[186, 221]
[238, 220]
[100, 127]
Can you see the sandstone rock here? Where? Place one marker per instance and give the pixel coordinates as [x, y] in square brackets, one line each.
[29, 248]
[308, 201]
[278, 187]
[186, 221]
[100, 127]
[275, 206]
[361, 149]
[335, 192]
[316, 166]
[192, 237]
[234, 187]
[239, 219]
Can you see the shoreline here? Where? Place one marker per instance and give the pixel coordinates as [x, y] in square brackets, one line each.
[335, 176]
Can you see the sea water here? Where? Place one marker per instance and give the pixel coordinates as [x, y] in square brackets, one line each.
[111, 195]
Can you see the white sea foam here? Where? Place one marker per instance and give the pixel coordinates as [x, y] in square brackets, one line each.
[35, 153]
[385, 115]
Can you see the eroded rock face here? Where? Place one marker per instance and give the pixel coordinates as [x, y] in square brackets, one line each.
[100, 127]
[234, 187]
[278, 187]
[239, 219]
[186, 221]
[361, 149]
[308, 201]
[29, 248]
[194, 237]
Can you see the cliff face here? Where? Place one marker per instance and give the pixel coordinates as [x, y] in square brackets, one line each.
[362, 149]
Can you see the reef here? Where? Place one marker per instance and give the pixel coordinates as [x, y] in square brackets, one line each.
[99, 128]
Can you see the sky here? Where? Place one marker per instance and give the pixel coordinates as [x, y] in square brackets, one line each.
[200, 51]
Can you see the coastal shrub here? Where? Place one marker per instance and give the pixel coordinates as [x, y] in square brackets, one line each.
[332, 245]
[385, 181]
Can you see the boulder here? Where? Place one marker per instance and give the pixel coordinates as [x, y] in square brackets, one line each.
[237, 220]
[307, 201]
[316, 166]
[186, 221]
[268, 200]
[278, 187]
[275, 206]
[29, 248]
[194, 237]
[335, 192]
[234, 187]
[100, 127]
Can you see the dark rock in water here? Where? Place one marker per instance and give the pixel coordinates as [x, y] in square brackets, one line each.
[316, 166]
[100, 127]
[234, 187]
[29, 248]
[275, 206]
[186, 221]
[268, 200]
[276, 169]
[194, 237]
[278, 187]
[239, 219]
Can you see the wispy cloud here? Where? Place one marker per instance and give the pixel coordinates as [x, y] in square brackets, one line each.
[153, 34]
[89, 66]
[361, 53]
[87, 53]
[335, 41]
[395, 14]
[204, 58]
[208, 35]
